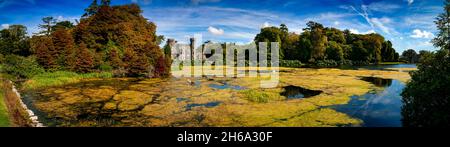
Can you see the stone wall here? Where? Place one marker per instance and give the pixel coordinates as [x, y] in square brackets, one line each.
[21, 115]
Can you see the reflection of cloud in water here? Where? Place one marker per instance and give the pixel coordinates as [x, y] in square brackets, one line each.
[377, 109]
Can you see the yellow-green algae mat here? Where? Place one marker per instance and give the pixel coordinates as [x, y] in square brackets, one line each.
[184, 101]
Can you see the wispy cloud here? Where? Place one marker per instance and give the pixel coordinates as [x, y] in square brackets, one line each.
[4, 3]
[196, 2]
[410, 2]
[215, 31]
[381, 24]
[363, 13]
[383, 6]
[145, 2]
[421, 34]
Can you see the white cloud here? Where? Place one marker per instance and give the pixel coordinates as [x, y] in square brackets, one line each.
[242, 35]
[336, 23]
[215, 31]
[5, 26]
[355, 31]
[421, 34]
[266, 24]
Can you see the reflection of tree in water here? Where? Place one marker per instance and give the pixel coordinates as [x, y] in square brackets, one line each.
[380, 82]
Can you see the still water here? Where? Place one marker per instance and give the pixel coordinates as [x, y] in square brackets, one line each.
[378, 108]
[380, 67]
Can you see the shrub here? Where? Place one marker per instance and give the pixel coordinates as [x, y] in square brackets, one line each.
[427, 96]
[105, 67]
[291, 63]
[326, 63]
[23, 67]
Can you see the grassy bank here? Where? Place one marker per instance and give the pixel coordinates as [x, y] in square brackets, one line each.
[59, 78]
[4, 118]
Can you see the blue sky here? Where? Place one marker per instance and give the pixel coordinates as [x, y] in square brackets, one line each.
[407, 23]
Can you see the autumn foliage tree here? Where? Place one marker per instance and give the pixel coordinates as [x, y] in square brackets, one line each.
[44, 50]
[126, 28]
[84, 60]
[106, 38]
[64, 47]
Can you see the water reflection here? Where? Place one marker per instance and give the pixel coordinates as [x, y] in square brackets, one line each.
[226, 86]
[377, 109]
[295, 92]
[379, 82]
[207, 105]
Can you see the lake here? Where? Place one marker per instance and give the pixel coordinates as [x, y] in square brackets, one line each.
[303, 98]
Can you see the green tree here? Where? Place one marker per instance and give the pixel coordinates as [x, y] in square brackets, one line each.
[423, 55]
[443, 24]
[410, 56]
[115, 59]
[105, 2]
[373, 44]
[318, 40]
[23, 67]
[387, 52]
[304, 47]
[63, 25]
[268, 35]
[359, 53]
[13, 40]
[336, 35]
[160, 39]
[92, 9]
[427, 96]
[334, 51]
[47, 25]
[291, 47]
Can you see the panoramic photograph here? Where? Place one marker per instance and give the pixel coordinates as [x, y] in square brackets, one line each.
[225, 63]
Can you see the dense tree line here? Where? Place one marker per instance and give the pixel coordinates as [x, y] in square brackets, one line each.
[319, 43]
[427, 96]
[107, 38]
[411, 56]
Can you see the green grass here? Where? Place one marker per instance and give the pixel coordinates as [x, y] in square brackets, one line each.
[59, 78]
[4, 118]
